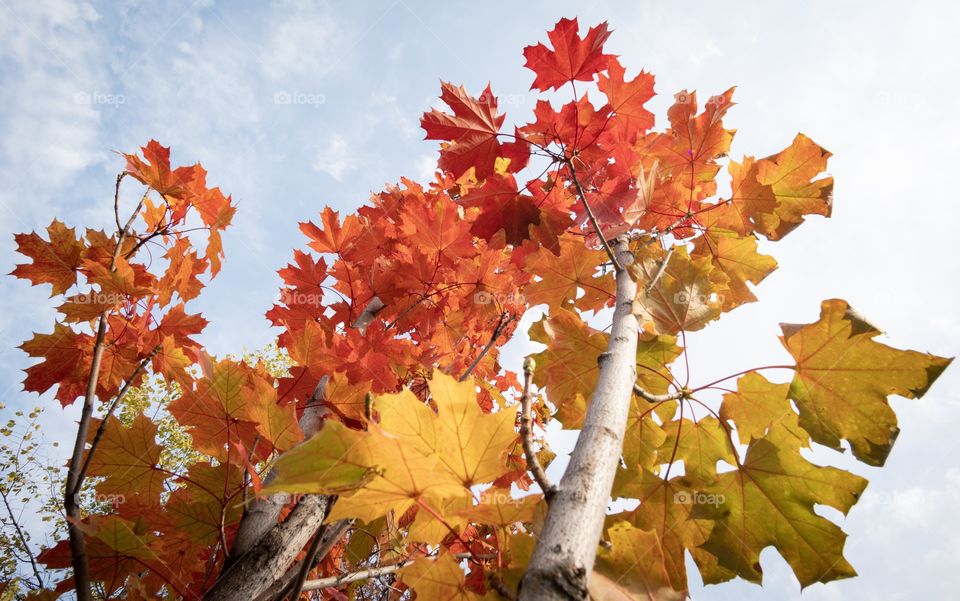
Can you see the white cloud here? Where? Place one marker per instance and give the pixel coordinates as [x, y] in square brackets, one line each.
[386, 110]
[335, 159]
[54, 91]
[299, 43]
[426, 167]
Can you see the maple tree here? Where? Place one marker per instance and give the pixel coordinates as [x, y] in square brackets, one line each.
[396, 453]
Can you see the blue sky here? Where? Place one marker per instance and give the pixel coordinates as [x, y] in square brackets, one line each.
[298, 105]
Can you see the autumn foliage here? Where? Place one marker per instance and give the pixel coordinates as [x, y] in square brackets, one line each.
[393, 319]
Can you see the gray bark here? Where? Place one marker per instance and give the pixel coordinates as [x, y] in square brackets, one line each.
[268, 561]
[262, 513]
[563, 559]
[263, 550]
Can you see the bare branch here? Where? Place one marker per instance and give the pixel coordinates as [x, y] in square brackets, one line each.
[501, 325]
[526, 434]
[567, 545]
[103, 423]
[116, 199]
[335, 581]
[78, 548]
[23, 539]
[656, 398]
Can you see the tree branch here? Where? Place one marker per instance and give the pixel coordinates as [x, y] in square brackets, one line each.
[593, 219]
[567, 545]
[501, 325]
[661, 267]
[251, 574]
[656, 398]
[336, 581]
[262, 514]
[325, 539]
[526, 434]
[23, 539]
[78, 547]
[368, 314]
[103, 423]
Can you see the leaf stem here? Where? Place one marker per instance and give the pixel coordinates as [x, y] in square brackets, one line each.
[741, 373]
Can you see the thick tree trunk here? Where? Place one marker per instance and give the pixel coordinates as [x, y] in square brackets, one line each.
[264, 550]
[262, 513]
[259, 531]
[567, 547]
[268, 561]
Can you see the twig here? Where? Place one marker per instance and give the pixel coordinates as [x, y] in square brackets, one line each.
[661, 267]
[593, 219]
[657, 398]
[103, 423]
[326, 537]
[526, 433]
[78, 548]
[116, 199]
[501, 325]
[686, 216]
[223, 528]
[23, 539]
[246, 473]
[336, 581]
[210, 563]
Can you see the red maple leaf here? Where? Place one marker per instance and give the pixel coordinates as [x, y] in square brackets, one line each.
[627, 98]
[471, 132]
[156, 172]
[572, 58]
[502, 207]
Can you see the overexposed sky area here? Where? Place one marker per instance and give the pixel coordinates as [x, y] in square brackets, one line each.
[295, 105]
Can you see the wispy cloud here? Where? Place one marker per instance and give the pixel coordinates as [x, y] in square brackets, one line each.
[335, 159]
